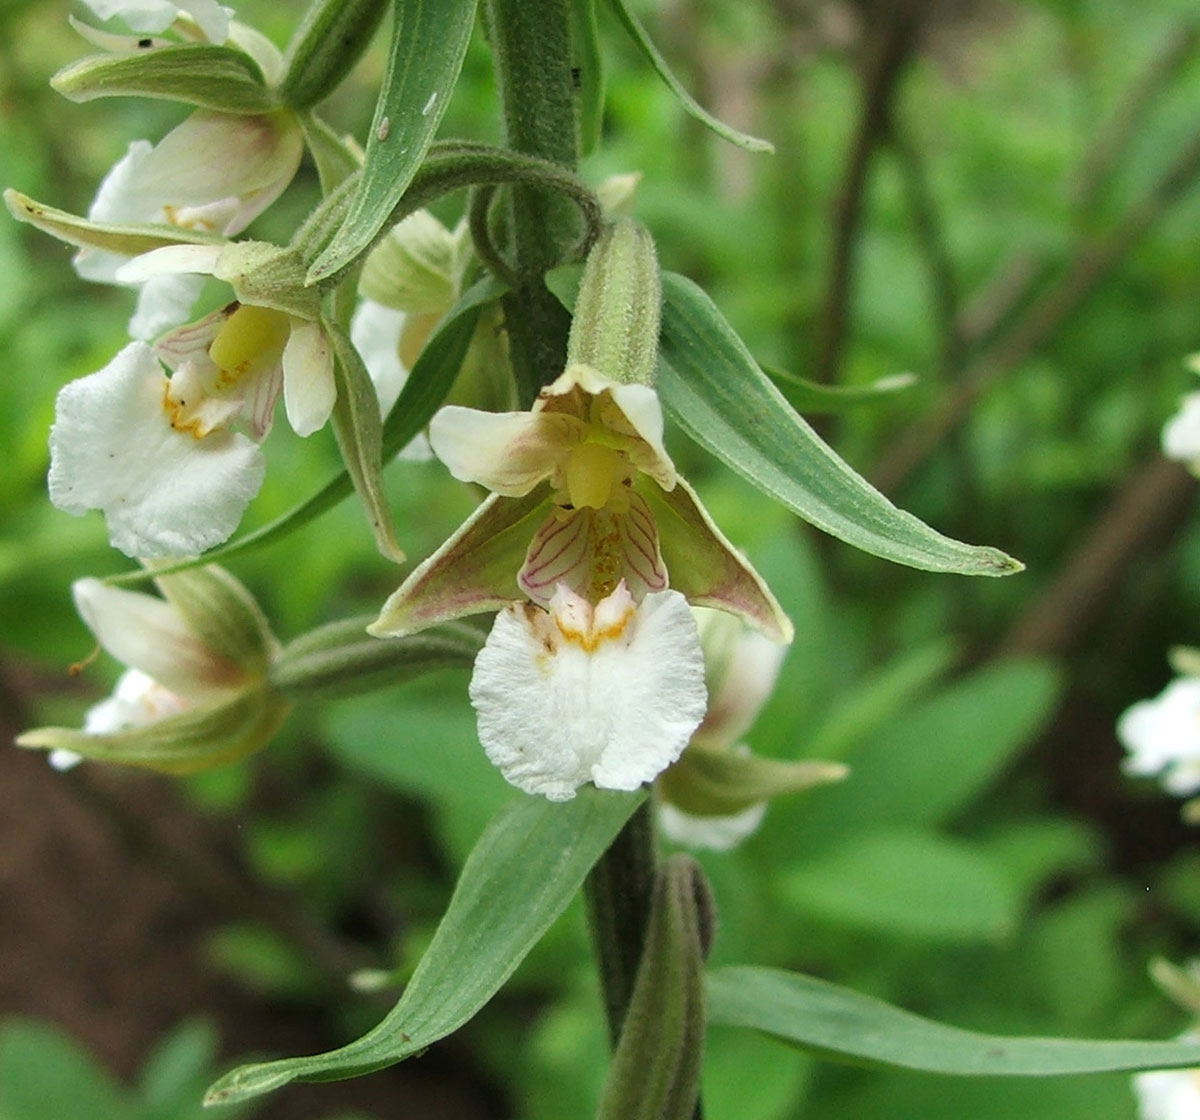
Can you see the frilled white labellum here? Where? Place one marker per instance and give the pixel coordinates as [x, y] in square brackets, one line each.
[608, 694]
[1163, 736]
[163, 491]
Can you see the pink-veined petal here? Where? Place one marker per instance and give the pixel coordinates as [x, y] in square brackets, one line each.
[309, 388]
[163, 492]
[508, 452]
[147, 633]
[614, 707]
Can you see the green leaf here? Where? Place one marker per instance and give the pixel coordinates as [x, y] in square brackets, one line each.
[913, 885]
[359, 432]
[929, 763]
[809, 396]
[587, 72]
[644, 43]
[195, 73]
[46, 1075]
[527, 866]
[429, 41]
[849, 1026]
[713, 387]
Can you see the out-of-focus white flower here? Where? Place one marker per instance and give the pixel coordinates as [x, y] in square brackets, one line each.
[215, 172]
[157, 15]
[716, 833]
[1163, 736]
[1181, 434]
[378, 333]
[608, 694]
[1168, 1094]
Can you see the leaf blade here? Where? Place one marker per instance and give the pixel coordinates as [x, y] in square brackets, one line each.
[712, 386]
[849, 1026]
[526, 867]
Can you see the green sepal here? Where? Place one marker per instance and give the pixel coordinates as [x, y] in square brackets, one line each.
[690, 106]
[223, 615]
[529, 863]
[587, 74]
[200, 74]
[845, 1025]
[129, 240]
[199, 738]
[704, 566]
[717, 782]
[475, 570]
[341, 659]
[359, 431]
[325, 47]
[713, 387]
[615, 325]
[429, 42]
[335, 157]
[655, 1072]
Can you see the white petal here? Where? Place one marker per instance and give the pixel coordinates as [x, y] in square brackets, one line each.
[717, 834]
[508, 452]
[158, 15]
[62, 759]
[1181, 434]
[163, 492]
[1168, 1094]
[136, 701]
[554, 713]
[375, 332]
[309, 390]
[148, 634]
[164, 302]
[171, 259]
[742, 666]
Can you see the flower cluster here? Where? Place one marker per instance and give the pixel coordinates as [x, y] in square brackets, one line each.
[1162, 735]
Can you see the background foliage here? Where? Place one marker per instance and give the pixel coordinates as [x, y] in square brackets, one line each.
[999, 197]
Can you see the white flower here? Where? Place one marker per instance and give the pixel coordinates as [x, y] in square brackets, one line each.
[1172, 1094]
[609, 694]
[1181, 434]
[163, 491]
[157, 15]
[1163, 736]
[215, 172]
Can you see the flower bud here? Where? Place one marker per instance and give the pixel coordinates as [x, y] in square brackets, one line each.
[327, 44]
[615, 328]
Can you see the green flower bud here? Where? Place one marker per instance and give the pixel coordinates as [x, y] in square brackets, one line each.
[326, 46]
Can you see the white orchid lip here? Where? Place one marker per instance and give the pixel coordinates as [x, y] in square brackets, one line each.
[608, 693]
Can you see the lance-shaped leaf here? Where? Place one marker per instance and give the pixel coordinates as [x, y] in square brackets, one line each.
[526, 867]
[712, 385]
[809, 396]
[429, 41]
[848, 1026]
[587, 73]
[655, 1072]
[129, 240]
[710, 781]
[195, 73]
[646, 45]
[359, 434]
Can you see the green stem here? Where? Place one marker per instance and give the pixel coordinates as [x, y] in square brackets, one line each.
[619, 893]
[531, 47]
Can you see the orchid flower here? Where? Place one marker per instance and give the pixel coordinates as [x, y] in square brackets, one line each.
[584, 495]
[1162, 736]
[210, 18]
[194, 695]
[160, 456]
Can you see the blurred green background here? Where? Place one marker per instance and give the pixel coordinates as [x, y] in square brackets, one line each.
[999, 197]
